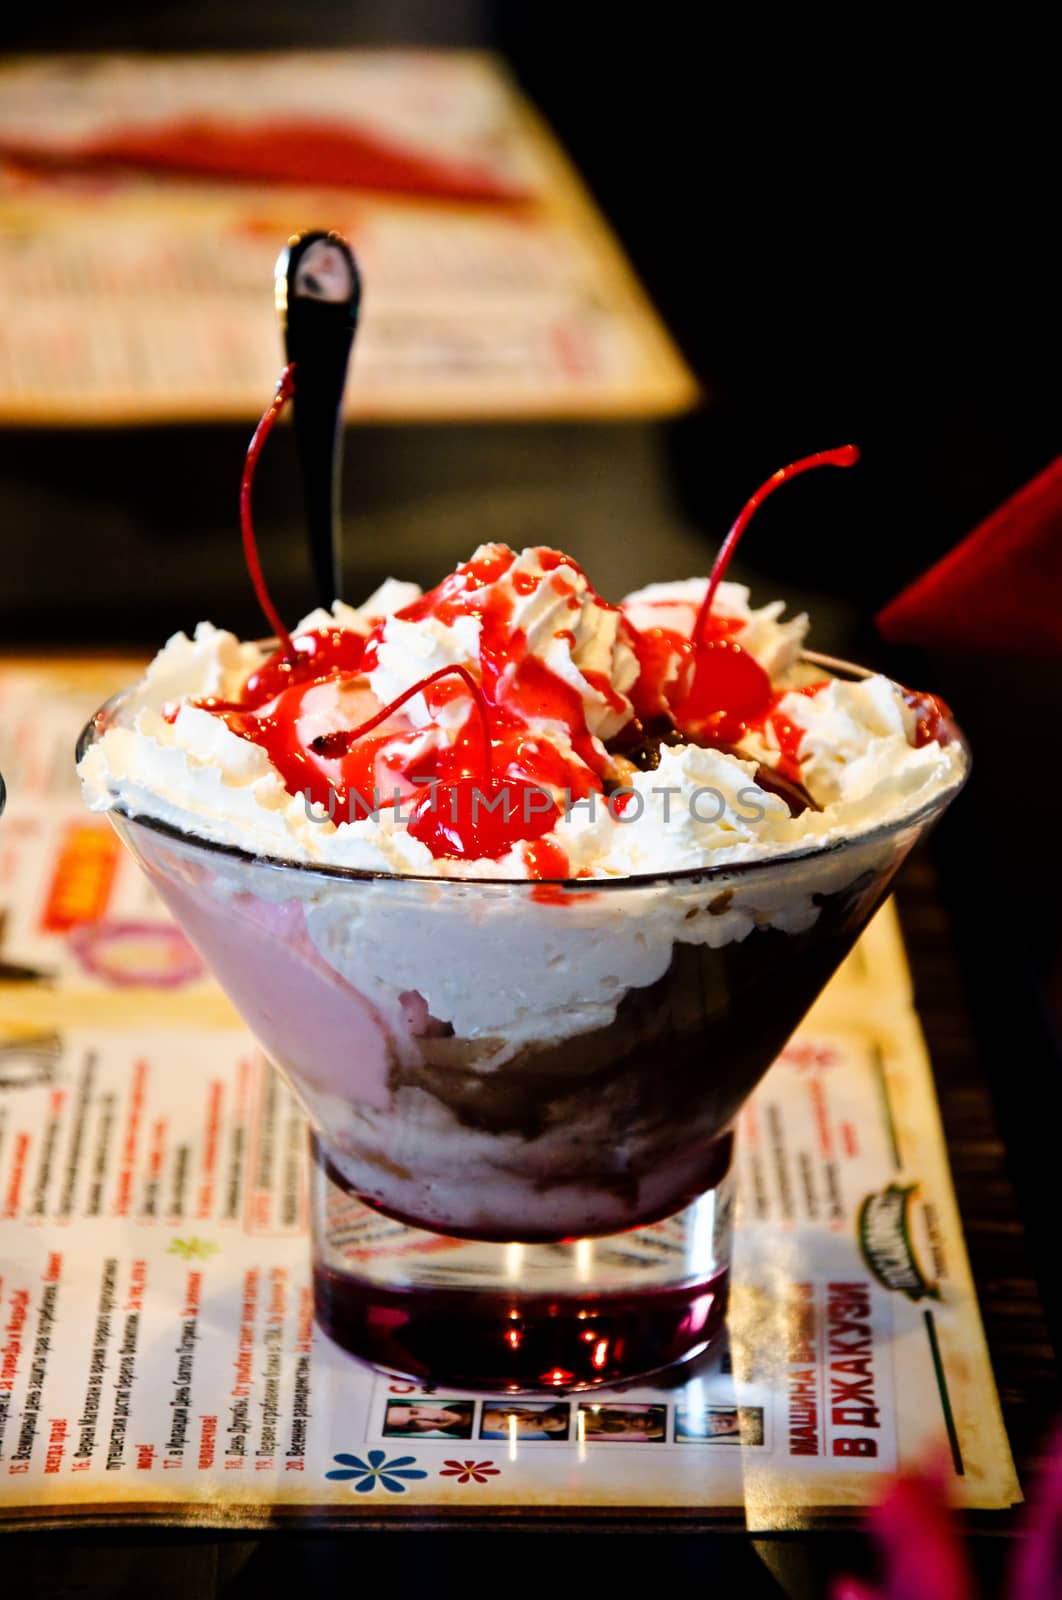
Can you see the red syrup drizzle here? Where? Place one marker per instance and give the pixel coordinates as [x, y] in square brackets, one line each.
[517, 685]
[788, 736]
[473, 815]
[309, 658]
[545, 859]
[706, 685]
[455, 816]
[319, 655]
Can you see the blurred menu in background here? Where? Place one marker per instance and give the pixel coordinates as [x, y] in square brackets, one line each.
[142, 201]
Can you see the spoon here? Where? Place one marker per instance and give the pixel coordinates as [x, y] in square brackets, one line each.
[318, 295]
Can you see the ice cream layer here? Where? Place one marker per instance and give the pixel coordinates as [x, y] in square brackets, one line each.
[615, 744]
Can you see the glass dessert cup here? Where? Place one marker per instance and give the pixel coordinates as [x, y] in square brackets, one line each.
[522, 1095]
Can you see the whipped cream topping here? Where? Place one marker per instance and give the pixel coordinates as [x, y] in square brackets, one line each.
[695, 806]
[534, 605]
[220, 742]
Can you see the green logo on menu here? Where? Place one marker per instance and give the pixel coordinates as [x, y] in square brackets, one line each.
[884, 1234]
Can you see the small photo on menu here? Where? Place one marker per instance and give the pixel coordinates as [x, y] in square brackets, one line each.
[525, 1421]
[635, 1424]
[719, 1424]
[429, 1419]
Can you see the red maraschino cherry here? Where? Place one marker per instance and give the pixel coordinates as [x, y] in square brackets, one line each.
[728, 688]
[935, 720]
[475, 816]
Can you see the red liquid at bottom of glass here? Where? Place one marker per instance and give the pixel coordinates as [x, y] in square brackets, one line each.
[513, 1318]
[518, 1344]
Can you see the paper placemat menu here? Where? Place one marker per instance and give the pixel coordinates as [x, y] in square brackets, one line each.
[148, 296]
[158, 1357]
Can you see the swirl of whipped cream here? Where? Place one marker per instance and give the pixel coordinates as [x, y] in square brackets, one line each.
[496, 612]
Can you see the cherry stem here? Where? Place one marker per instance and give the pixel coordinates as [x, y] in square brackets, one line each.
[846, 456]
[337, 744]
[285, 390]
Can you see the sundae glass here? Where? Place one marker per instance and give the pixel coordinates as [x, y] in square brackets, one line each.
[522, 892]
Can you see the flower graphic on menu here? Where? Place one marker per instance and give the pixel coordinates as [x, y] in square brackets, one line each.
[193, 1249]
[469, 1471]
[376, 1469]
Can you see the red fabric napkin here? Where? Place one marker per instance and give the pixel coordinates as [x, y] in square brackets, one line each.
[1000, 590]
[324, 153]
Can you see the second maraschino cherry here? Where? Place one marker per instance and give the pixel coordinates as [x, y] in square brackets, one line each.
[726, 689]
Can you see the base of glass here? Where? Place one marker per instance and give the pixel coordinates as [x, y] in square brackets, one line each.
[518, 1318]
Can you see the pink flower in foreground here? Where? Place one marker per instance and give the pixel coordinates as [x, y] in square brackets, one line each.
[921, 1549]
[921, 1544]
[1037, 1568]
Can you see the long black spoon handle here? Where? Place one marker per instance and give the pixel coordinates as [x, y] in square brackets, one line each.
[318, 295]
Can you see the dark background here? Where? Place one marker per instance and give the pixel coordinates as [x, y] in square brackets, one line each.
[849, 228]
[850, 233]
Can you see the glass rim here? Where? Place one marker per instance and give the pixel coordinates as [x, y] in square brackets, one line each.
[688, 876]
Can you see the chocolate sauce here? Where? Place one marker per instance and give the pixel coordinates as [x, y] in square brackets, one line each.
[645, 754]
[656, 1090]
